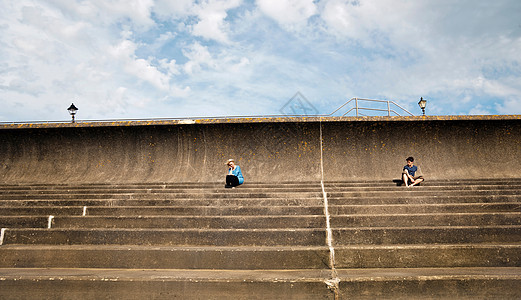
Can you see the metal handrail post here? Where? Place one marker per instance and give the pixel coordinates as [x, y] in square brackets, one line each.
[388, 109]
[356, 105]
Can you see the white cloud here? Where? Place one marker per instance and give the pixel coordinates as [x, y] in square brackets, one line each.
[479, 110]
[510, 106]
[167, 9]
[288, 13]
[211, 16]
[199, 57]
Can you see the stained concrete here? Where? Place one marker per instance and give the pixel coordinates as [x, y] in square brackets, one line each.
[267, 149]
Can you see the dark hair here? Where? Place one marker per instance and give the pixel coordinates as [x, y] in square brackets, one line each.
[410, 158]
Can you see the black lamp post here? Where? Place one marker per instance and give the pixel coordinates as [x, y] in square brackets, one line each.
[422, 105]
[72, 110]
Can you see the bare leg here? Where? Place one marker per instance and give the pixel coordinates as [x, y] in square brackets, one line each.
[418, 180]
[405, 178]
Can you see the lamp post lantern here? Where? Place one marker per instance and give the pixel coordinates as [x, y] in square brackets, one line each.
[72, 110]
[422, 105]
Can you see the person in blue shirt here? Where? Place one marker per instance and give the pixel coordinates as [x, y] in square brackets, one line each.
[234, 176]
[411, 174]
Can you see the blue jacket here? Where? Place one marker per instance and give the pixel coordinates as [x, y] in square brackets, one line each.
[237, 172]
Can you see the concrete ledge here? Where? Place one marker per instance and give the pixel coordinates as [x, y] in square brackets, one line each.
[232, 120]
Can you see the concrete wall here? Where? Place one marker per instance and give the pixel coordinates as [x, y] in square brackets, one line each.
[268, 150]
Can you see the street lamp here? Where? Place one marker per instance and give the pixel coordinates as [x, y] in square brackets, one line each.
[422, 105]
[72, 110]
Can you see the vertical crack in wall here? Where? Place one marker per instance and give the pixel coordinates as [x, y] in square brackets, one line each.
[333, 282]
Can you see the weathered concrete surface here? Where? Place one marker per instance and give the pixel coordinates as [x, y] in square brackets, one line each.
[441, 283]
[268, 150]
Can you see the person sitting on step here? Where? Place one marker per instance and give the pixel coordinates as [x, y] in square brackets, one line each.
[411, 174]
[234, 177]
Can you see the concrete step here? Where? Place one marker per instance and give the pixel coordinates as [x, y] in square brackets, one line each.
[265, 221]
[419, 191]
[431, 199]
[171, 202]
[155, 257]
[427, 235]
[249, 187]
[428, 256]
[423, 208]
[260, 257]
[162, 210]
[159, 196]
[266, 237]
[407, 283]
[245, 189]
[174, 191]
[258, 210]
[24, 221]
[427, 219]
[264, 201]
[203, 222]
[249, 184]
[297, 221]
[41, 211]
[152, 185]
[408, 193]
[167, 237]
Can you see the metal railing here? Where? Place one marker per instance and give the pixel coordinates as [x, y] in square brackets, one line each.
[389, 107]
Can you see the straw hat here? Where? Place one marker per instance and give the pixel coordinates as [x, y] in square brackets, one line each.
[230, 160]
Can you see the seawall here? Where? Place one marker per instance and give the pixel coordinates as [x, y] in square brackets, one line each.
[267, 149]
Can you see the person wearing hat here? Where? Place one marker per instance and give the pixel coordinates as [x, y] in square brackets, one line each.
[234, 177]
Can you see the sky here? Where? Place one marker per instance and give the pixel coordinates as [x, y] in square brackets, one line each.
[142, 59]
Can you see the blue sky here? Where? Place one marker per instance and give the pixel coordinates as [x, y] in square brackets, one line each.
[127, 59]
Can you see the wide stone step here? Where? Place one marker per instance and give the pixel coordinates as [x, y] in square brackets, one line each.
[162, 210]
[299, 221]
[159, 196]
[428, 182]
[432, 283]
[262, 192]
[138, 257]
[423, 208]
[172, 202]
[167, 237]
[24, 221]
[453, 188]
[419, 191]
[173, 191]
[290, 184]
[217, 222]
[265, 257]
[159, 186]
[41, 211]
[266, 201]
[246, 189]
[427, 235]
[428, 219]
[431, 199]
[428, 256]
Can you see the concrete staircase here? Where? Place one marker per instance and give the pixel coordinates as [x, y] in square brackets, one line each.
[261, 241]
